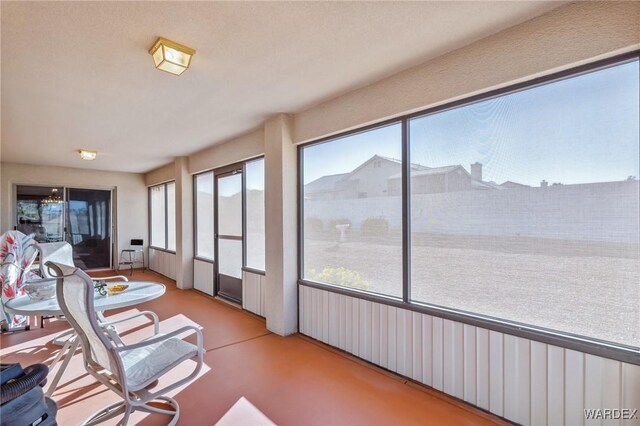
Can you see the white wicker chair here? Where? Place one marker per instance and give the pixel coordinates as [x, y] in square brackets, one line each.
[131, 371]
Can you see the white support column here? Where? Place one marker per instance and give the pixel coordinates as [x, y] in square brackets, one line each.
[184, 224]
[281, 292]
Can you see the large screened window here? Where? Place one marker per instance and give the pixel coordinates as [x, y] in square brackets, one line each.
[204, 215]
[353, 211]
[522, 208]
[254, 214]
[528, 206]
[162, 207]
[157, 203]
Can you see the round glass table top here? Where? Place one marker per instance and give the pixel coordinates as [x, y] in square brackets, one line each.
[138, 292]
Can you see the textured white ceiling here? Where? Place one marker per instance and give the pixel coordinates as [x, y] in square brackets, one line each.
[78, 75]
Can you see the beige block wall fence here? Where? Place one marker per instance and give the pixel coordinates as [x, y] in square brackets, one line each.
[566, 37]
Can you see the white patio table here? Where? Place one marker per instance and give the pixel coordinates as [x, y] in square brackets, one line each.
[137, 293]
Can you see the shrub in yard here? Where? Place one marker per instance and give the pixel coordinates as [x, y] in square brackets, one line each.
[374, 227]
[313, 226]
[340, 276]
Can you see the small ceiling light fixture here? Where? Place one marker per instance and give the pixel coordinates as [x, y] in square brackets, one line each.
[88, 155]
[170, 56]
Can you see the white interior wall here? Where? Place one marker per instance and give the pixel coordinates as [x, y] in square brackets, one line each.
[130, 197]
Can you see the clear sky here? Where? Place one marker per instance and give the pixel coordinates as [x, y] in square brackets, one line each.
[579, 130]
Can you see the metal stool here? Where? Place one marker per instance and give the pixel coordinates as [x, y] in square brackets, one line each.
[129, 257]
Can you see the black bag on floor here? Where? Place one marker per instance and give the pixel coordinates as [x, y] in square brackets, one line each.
[22, 401]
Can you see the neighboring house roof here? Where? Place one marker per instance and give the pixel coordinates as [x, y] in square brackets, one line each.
[324, 183]
[328, 183]
[432, 171]
[481, 184]
[414, 166]
[511, 184]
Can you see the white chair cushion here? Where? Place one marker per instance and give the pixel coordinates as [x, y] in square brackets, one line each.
[144, 365]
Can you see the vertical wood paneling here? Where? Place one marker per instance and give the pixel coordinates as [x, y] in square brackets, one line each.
[163, 263]
[631, 391]
[152, 259]
[453, 360]
[516, 379]
[470, 359]
[355, 325]
[392, 337]
[246, 302]
[334, 316]
[342, 327]
[263, 291]
[250, 291]
[196, 285]
[404, 346]
[416, 338]
[408, 347]
[325, 316]
[365, 330]
[302, 311]
[602, 386]
[574, 387]
[555, 385]
[482, 368]
[256, 294]
[593, 396]
[496, 373]
[538, 383]
[202, 276]
[317, 313]
[438, 353]
[427, 349]
[384, 335]
[375, 333]
[349, 325]
[309, 306]
[524, 381]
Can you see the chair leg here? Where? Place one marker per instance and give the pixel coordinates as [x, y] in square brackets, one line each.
[117, 408]
[155, 410]
[73, 342]
[127, 413]
[108, 412]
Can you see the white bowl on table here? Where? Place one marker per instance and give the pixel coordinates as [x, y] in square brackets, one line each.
[43, 289]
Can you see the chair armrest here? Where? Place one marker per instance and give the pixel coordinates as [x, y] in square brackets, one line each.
[164, 337]
[149, 314]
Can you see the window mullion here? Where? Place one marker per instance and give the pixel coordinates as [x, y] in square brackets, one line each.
[166, 218]
[406, 214]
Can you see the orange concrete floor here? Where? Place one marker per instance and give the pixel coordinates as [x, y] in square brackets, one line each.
[292, 380]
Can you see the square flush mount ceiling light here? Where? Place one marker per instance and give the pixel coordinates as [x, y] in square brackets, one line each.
[170, 56]
[88, 155]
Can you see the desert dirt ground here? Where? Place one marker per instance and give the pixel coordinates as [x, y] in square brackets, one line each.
[589, 289]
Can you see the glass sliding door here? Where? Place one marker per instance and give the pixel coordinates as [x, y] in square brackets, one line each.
[229, 235]
[81, 217]
[40, 211]
[89, 227]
